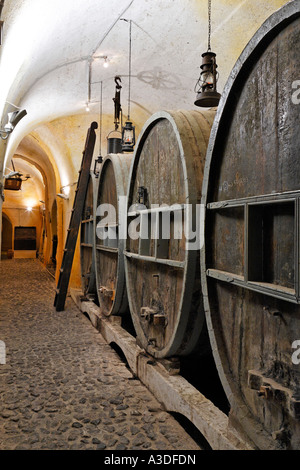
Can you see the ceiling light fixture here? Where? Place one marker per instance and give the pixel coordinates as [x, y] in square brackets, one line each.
[206, 86]
[62, 196]
[106, 62]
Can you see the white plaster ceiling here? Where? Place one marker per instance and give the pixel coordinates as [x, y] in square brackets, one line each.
[49, 48]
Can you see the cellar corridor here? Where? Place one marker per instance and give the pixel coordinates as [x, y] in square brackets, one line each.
[61, 385]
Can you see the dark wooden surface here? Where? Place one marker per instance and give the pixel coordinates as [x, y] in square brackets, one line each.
[251, 257]
[110, 276]
[165, 300]
[87, 240]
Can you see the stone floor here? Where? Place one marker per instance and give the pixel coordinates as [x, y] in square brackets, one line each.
[62, 386]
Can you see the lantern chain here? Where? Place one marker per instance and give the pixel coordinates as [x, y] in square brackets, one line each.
[100, 116]
[209, 24]
[129, 71]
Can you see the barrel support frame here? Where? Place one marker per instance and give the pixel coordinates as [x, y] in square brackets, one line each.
[174, 392]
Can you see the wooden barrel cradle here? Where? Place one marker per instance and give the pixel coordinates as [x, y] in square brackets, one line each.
[110, 275]
[250, 259]
[87, 240]
[163, 286]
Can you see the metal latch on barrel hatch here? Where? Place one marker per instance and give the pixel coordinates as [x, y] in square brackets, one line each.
[153, 316]
[106, 292]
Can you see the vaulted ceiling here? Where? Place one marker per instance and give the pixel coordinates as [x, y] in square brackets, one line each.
[53, 54]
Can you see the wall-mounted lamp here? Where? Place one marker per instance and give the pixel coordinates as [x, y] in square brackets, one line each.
[65, 190]
[97, 165]
[13, 119]
[206, 86]
[106, 60]
[13, 184]
[62, 196]
[13, 181]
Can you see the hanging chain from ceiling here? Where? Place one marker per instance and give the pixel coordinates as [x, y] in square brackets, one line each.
[129, 67]
[209, 24]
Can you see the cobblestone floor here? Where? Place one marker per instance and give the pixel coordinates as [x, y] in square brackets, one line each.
[62, 386]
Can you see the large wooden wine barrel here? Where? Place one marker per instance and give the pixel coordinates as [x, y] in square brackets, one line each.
[162, 268]
[111, 234]
[87, 240]
[250, 259]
